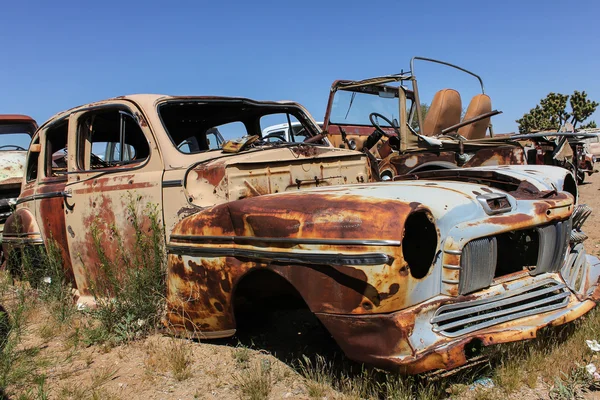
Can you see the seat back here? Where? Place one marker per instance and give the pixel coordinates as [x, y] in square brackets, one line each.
[480, 104]
[444, 112]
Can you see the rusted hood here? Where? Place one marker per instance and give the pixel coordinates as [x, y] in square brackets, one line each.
[12, 166]
[364, 211]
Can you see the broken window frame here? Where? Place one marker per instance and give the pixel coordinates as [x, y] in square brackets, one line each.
[84, 145]
[47, 168]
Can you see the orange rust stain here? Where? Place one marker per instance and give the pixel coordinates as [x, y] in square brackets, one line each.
[213, 173]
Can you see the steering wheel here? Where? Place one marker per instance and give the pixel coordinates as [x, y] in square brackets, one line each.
[13, 145]
[378, 128]
[95, 160]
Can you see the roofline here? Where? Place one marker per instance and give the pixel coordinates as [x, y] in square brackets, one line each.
[157, 98]
[17, 118]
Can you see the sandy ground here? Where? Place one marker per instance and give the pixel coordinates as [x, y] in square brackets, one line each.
[142, 370]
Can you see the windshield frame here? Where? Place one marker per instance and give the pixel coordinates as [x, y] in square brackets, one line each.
[369, 88]
[273, 108]
[21, 128]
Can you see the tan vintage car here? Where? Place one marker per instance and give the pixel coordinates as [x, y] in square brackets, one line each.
[403, 274]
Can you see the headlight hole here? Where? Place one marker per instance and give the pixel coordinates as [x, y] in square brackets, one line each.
[419, 243]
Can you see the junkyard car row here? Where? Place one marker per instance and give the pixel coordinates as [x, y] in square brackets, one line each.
[434, 236]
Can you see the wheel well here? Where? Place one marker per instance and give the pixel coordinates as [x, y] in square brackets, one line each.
[263, 291]
[570, 185]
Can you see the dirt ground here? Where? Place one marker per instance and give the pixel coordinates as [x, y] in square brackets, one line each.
[147, 369]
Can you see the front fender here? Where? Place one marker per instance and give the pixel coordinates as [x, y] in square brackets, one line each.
[340, 248]
[21, 229]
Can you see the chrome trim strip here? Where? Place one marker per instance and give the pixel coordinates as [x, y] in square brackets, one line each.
[41, 196]
[455, 252]
[450, 281]
[252, 240]
[450, 266]
[22, 240]
[172, 183]
[300, 258]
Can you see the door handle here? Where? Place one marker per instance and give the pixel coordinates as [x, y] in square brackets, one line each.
[66, 194]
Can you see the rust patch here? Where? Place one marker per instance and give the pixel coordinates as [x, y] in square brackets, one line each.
[213, 173]
[306, 151]
[270, 226]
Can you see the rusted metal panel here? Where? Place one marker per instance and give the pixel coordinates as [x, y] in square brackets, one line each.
[51, 214]
[413, 347]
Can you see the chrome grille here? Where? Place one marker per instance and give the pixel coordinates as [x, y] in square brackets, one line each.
[478, 264]
[460, 318]
[580, 214]
[574, 271]
[480, 261]
[553, 247]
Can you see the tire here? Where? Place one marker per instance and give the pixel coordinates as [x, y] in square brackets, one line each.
[580, 177]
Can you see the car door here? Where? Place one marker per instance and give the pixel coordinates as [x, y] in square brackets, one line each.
[114, 168]
[50, 189]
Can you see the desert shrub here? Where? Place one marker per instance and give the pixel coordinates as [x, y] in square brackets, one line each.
[129, 289]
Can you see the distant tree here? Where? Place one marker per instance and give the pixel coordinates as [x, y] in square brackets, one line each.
[415, 121]
[552, 112]
[589, 125]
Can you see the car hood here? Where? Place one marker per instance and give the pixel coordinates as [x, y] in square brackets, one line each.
[12, 166]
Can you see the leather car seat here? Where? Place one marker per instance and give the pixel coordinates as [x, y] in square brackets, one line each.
[444, 111]
[480, 104]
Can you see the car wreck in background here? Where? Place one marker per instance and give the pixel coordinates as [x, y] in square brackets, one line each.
[564, 149]
[15, 135]
[403, 274]
[382, 116]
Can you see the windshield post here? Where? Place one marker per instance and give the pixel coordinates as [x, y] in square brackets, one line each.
[417, 102]
[402, 117]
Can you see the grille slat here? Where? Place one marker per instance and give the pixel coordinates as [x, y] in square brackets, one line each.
[535, 299]
[498, 303]
[478, 264]
[553, 246]
[575, 269]
[506, 311]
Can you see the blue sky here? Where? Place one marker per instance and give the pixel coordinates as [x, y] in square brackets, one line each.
[56, 55]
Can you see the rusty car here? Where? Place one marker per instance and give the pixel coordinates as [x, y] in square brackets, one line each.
[382, 116]
[404, 274]
[15, 134]
[570, 150]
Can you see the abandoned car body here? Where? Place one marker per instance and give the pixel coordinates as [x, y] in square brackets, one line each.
[383, 117]
[403, 274]
[15, 135]
[565, 149]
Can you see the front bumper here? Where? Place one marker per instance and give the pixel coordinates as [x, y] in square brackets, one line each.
[411, 340]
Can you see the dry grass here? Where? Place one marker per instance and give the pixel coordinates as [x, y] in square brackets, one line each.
[555, 353]
[255, 382]
[241, 355]
[174, 356]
